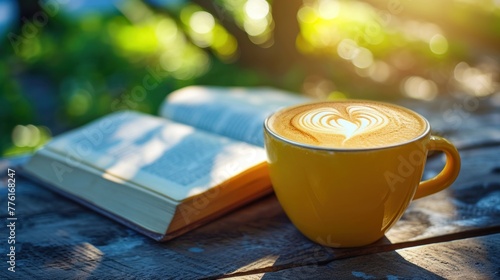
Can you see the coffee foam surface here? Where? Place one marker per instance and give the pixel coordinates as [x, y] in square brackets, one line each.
[347, 124]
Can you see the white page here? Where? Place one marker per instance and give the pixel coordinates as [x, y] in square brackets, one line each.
[169, 158]
[238, 113]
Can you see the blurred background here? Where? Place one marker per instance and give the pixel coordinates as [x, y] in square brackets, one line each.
[64, 63]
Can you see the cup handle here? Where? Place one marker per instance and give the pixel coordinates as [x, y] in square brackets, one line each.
[449, 173]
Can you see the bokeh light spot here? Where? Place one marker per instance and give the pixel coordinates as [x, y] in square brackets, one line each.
[255, 27]
[379, 71]
[328, 9]
[347, 49]
[26, 136]
[438, 44]
[307, 15]
[257, 9]
[363, 58]
[202, 22]
[79, 103]
[420, 88]
[166, 31]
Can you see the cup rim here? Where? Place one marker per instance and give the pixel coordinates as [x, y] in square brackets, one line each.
[336, 149]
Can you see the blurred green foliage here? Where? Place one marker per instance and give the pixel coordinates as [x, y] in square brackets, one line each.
[59, 69]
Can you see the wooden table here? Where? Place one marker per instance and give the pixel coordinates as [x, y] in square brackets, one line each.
[452, 234]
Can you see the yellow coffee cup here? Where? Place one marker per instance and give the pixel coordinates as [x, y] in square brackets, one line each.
[345, 171]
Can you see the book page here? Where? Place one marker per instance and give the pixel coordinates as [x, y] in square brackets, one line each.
[169, 158]
[238, 113]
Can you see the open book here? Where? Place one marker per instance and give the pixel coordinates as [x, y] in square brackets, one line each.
[166, 175]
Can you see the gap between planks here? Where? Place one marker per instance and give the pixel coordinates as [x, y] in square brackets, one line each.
[340, 253]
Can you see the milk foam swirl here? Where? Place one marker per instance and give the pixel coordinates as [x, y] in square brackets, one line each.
[357, 120]
[349, 124]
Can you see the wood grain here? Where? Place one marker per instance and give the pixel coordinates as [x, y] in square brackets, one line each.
[58, 239]
[67, 240]
[473, 258]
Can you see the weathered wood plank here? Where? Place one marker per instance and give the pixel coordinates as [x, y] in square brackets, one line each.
[473, 258]
[57, 238]
[66, 240]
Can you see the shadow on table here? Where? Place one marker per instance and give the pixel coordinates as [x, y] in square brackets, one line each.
[386, 265]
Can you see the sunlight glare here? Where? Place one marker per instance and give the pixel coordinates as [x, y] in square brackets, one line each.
[363, 58]
[224, 44]
[202, 22]
[420, 88]
[438, 44]
[328, 9]
[145, 40]
[25, 136]
[427, 31]
[307, 15]
[347, 49]
[257, 9]
[423, 31]
[379, 71]
[166, 31]
[267, 261]
[476, 81]
[255, 27]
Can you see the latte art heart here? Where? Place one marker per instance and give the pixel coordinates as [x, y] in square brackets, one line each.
[356, 120]
[349, 124]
